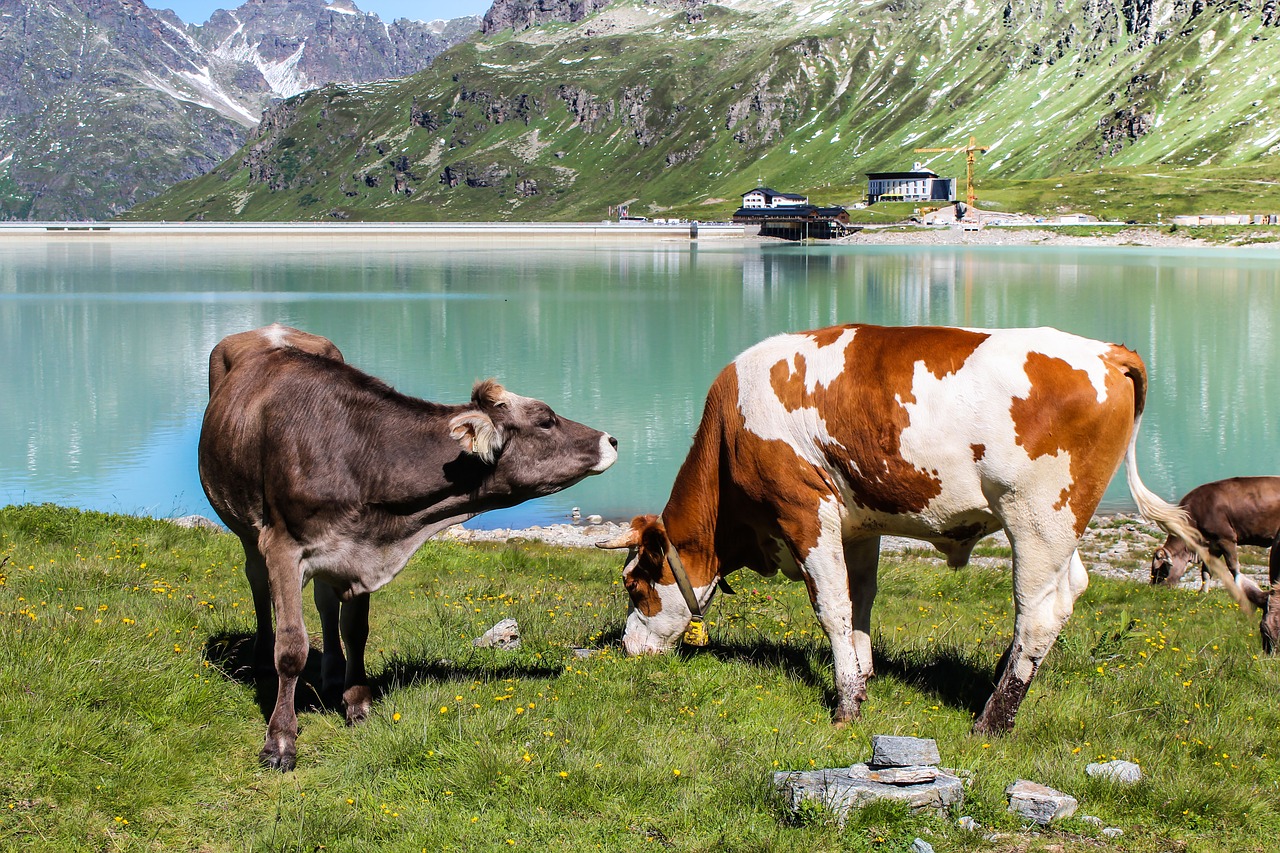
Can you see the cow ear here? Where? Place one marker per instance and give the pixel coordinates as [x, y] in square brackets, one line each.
[477, 435]
[653, 540]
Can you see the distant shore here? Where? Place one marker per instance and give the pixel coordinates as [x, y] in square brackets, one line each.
[1123, 236]
[595, 232]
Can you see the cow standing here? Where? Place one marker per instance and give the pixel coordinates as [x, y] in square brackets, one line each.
[814, 445]
[328, 474]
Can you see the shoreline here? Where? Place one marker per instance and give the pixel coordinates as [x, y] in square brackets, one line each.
[899, 234]
[1115, 545]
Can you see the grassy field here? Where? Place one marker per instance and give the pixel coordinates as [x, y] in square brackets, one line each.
[129, 722]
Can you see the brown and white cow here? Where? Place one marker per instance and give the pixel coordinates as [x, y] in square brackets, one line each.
[814, 445]
[1225, 514]
[328, 474]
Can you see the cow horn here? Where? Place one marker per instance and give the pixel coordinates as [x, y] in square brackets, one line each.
[628, 539]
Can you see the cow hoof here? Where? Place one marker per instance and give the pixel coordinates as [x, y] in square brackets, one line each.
[279, 757]
[984, 726]
[843, 716]
[359, 702]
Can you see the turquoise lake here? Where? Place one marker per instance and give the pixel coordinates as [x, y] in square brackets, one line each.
[104, 342]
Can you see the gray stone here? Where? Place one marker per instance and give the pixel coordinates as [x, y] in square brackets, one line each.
[968, 824]
[1120, 772]
[504, 635]
[842, 789]
[196, 522]
[1039, 803]
[1091, 820]
[921, 846]
[892, 751]
[914, 775]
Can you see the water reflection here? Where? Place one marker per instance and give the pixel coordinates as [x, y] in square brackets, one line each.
[104, 341]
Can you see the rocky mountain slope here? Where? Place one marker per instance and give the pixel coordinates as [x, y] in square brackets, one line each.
[106, 102]
[562, 108]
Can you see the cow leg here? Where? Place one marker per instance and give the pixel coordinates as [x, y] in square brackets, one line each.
[827, 579]
[862, 559]
[291, 648]
[1270, 625]
[1043, 599]
[255, 571]
[355, 633]
[332, 663]
[344, 624]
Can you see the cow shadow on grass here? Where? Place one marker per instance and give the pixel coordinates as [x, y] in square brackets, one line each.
[948, 674]
[232, 653]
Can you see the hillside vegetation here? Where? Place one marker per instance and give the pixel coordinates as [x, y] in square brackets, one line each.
[1150, 106]
[131, 721]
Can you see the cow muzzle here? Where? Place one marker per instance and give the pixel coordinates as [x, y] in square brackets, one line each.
[608, 453]
[640, 637]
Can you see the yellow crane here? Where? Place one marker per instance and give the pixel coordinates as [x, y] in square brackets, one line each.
[970, 149]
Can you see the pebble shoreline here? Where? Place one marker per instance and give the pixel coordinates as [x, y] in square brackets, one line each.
[1115, 546]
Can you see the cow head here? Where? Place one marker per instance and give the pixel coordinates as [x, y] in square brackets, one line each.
[532, 450]
[1170, 561]
[658, 614]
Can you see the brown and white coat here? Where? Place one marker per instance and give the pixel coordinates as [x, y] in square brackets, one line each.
[814, 445]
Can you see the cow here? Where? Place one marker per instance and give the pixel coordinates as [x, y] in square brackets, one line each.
[1224, 514]
[813, 445]
[328, 474]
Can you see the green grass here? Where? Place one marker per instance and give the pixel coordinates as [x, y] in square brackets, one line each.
[129, 724]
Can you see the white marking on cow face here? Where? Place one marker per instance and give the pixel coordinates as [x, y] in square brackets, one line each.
[608, 454]
[660, 632]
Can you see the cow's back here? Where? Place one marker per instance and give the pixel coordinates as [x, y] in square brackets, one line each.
[930, 422]
[245, 346]
[1245, 509]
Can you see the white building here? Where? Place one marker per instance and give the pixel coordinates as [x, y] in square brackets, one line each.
[920, 184]
[765, 197]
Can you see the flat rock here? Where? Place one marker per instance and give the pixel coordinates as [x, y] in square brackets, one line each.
[504, 635]
[196, 522]
[1039, 803]
[1120, 772]
[893, 751]
[916, 774]
[840, 790]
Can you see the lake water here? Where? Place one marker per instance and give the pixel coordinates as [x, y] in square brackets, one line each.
[104, 342]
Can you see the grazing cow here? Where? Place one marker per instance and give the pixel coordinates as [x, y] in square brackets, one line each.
[813, 445]
[1225, 514]
[327, 473]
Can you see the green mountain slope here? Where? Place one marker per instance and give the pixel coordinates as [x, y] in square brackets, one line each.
[682, 106]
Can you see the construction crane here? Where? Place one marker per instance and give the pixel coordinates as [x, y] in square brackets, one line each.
[969, 150]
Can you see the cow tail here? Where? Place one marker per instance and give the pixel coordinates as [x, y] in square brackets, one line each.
[1171, 518]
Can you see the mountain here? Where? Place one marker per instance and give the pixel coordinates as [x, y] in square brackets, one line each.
[104, 103]
[561, 109]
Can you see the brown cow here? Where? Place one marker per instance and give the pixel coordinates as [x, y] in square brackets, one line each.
[1226, 513]
[813, 445]
[328, 474]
